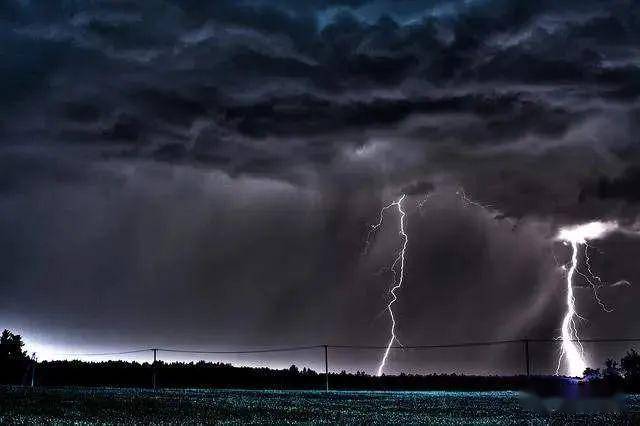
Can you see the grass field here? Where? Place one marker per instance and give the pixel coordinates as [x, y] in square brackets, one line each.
[80, 405]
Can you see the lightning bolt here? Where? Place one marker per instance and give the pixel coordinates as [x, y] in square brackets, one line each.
[398, 275]
[571, 348]
[467, 201]
[593, 280]
[420, 204]
[573, 353]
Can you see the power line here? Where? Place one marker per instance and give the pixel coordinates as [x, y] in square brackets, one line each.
[488, 343]
[354, 347]
[440, 346]
[106, 353]
[253, 351]
[594, 340]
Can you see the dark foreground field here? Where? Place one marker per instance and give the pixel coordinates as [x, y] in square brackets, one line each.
[23, 405]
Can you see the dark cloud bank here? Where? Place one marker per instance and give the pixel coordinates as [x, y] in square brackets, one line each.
[203, 173]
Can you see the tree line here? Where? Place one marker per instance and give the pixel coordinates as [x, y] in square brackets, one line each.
[624, 374]
[18, 368]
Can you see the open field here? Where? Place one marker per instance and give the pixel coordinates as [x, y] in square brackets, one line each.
[72, 405]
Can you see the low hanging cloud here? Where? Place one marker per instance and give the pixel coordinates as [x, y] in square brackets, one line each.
[267, 89]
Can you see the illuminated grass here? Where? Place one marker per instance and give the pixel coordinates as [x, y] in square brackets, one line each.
[76, 405]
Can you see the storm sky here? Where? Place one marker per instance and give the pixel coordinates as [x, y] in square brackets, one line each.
[203, 174]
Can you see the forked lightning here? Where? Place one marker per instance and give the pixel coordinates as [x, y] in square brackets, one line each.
[571, 349]
[398, 275]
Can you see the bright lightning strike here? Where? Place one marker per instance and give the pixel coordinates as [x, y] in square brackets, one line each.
[467, 201]
[593, 280]
[420, 204]
[574, 236]
[398, 275]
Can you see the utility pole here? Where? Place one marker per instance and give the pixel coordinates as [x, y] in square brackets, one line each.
[155, 372]
[526, 356]
[326, 368]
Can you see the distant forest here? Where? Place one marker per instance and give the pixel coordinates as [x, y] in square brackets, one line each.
[17, 368]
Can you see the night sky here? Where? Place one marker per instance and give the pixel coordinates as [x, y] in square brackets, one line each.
[203, 174]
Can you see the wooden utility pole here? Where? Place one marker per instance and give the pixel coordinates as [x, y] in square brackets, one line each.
[155, 372]
[526, 356]
[326, 368]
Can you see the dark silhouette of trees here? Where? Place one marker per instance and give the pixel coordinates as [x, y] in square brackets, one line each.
[630, 365]
[11, 347]
[611, 369]
[623, 376]
[630, 368]
[15, 365]
[592, 374]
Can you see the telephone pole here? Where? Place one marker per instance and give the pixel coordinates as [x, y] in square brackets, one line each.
[526, 356]
[155, 372]
[326, 368]
[33, 373]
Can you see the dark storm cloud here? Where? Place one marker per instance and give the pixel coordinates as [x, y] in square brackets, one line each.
[122, 108]
[418, 188]
[268, 70]
[625, 186]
